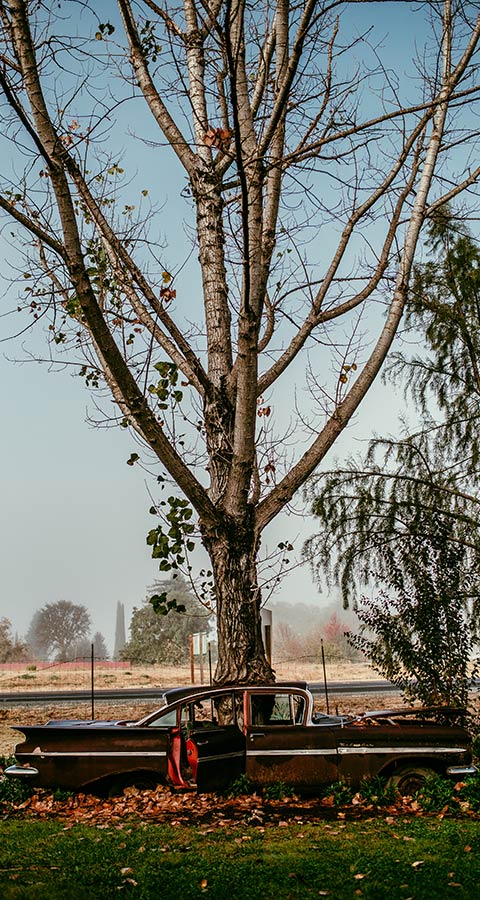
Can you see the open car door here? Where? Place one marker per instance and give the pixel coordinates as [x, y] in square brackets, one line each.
[214, 741]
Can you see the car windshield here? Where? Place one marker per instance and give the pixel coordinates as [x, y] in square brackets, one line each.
[162, 718]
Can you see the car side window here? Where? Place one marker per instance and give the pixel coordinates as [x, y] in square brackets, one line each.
[167, 720]
[204, 712]
[276, 709]
[218, 710]
[226, 709]
[211, 711]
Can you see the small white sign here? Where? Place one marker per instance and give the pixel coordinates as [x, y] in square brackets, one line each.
[200, 643]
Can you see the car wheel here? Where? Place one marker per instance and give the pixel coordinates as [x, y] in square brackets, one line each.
[409, 780]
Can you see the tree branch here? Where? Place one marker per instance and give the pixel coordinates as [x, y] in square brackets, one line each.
[119, 377]
[155, 103]
[284, 491]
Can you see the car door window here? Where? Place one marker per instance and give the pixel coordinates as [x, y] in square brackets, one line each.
[210, 711]
[203, 713]
[277, 709]
[227, 708]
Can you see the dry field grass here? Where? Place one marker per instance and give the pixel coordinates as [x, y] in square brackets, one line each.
[56, 677]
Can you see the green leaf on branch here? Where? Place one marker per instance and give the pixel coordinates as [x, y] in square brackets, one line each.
[105, 28]
[165, 389]
[168, 540]
[162, 605]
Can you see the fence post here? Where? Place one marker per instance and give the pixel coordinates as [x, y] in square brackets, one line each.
[200, 641]
[192, 661]
[92, 679]
[325, 676]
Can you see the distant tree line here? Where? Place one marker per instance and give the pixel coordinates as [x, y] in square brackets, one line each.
[62, 631]
[300, 628]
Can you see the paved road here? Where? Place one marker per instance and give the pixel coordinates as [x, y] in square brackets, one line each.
[11, 698]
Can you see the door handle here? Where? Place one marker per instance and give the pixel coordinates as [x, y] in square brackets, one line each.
[257, 734]
[201, 743]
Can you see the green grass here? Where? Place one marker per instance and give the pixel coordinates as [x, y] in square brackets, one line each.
[40, 860]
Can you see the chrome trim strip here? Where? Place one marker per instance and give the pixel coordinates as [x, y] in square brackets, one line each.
[117, 753]
[326, 752]
[346, 751]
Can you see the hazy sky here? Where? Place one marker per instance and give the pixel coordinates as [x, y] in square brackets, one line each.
[73, 515]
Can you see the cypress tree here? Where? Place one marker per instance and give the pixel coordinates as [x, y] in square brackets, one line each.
[120, 639]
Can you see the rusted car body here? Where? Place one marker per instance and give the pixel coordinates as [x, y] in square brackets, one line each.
[207, 737]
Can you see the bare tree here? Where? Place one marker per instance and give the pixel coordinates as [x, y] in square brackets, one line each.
[310, 170]
[59, 628]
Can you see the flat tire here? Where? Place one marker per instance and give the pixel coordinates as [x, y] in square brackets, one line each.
[410, 779]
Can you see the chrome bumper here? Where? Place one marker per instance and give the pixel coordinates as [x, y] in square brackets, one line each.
[461, 771]
[21, 772]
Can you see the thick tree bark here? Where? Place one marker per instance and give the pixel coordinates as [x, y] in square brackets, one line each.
[241, 655]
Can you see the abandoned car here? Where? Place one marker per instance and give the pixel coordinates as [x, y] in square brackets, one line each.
[207, 737]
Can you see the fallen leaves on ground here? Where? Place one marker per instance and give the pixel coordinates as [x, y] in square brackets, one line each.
[208, 811]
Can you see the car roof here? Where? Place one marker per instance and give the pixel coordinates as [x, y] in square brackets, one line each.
[174, 694]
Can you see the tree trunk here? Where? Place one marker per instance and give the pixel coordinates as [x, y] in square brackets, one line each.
[241, 654]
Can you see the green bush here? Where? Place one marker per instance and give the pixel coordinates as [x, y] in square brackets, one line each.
[60, 795]
[471, 792]
[12, 790]
[376, 790]
[278, 791]
[342, 793]
[242, 785]
[436, 793]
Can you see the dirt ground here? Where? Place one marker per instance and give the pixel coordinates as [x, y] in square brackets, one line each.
[58, 677]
